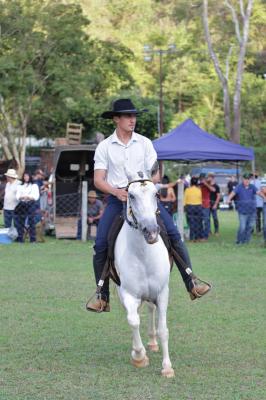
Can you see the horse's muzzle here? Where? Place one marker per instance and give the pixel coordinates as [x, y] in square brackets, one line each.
[151, 235]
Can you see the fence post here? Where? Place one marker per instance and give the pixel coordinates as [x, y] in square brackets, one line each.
[84, 211]
[180, 208]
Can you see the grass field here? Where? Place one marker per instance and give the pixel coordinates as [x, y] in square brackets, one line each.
[51, 348]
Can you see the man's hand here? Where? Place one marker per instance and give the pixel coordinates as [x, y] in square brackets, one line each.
[121, 194]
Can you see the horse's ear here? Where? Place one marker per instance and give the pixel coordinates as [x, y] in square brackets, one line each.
[129, 175]
[154, 169]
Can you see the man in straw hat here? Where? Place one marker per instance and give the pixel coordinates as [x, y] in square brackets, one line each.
[10, 200]
[126, 149]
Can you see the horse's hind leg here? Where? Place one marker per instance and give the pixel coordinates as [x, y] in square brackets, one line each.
[152, 344]
[138, 354]
[163, 333]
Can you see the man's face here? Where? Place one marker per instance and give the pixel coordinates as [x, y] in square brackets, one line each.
[245, 181]
[92, 200]
[126, 122]
[210, 179]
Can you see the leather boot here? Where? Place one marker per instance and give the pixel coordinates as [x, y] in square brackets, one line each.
[98, 305]
[101, 303]
[195, 286]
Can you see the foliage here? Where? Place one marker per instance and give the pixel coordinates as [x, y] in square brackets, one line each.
[190, 85]
[71, 66]
[50, 69]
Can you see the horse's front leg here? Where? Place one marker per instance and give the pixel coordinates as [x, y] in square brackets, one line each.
[162, 303]
[152, 344]
[138, 354]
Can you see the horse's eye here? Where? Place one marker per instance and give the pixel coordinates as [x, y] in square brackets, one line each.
[131, 196]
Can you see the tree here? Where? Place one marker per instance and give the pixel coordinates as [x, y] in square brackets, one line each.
[241, 35]
[50, 70]
[38, 55]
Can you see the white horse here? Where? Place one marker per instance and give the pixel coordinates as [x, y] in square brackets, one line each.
[143, 265]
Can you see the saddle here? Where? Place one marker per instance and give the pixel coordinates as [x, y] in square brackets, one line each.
[109, 268]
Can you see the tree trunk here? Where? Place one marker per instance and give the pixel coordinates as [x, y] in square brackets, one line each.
[235, 133]
[13, 139]
[222, 78]
[233, 130]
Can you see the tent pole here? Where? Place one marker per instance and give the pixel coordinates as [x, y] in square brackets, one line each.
[180, 207]
[161, 170]
[253, 169]
[237, 171]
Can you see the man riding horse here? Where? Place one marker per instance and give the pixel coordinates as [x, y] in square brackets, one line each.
[127, 150]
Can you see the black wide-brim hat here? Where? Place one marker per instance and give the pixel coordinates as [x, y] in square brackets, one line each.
[122, 106]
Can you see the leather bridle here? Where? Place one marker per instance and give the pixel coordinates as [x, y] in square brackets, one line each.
[133, 224]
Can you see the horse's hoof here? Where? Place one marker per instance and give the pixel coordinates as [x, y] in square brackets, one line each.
[140, 363]
[154, 347]
[168, 372]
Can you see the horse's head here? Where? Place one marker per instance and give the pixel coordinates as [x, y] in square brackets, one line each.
[142, 206]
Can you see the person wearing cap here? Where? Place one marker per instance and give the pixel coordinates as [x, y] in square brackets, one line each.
[127, 150]
[10, 200]
[94, 211]
[263, 190]
[246, 207]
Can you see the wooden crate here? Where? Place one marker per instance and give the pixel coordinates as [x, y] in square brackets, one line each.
[74, 133]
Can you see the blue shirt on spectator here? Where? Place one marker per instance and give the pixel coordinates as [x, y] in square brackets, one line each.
[246, 198]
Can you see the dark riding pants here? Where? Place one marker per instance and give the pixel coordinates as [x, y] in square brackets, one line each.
[113, 208]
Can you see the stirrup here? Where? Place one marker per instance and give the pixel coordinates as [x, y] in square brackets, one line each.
[197, 282]
[103, 307]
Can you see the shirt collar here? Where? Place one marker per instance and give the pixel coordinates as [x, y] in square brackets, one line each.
[115, 138]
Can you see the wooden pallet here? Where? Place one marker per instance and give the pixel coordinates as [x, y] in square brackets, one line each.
[66, 227]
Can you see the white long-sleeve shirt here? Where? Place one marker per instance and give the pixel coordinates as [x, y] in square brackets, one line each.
[10, 199]
[28, 190]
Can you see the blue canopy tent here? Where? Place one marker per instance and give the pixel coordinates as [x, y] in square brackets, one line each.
[189, 143]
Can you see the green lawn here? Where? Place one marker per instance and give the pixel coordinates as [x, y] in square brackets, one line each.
[51, 348]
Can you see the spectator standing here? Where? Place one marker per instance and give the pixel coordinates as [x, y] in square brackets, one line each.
[246, 208]
[206, 189]
[10, 199]
[27, 195]
[41, 205]
[167, 195]
[193, 207]
[214, 202]
[263, 190]
[255, 180]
